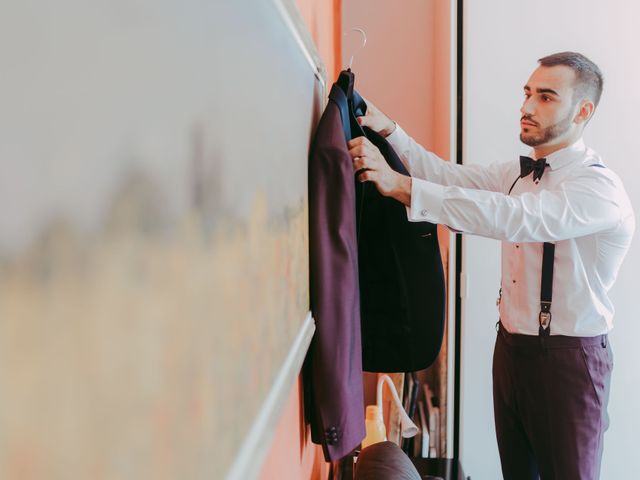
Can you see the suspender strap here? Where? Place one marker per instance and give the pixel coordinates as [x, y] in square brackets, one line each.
[546, 282]
[546, 287]
[513, 184]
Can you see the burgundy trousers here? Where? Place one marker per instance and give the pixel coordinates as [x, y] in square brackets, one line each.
[550, 396]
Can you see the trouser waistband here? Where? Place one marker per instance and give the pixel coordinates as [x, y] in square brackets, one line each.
[551, 341]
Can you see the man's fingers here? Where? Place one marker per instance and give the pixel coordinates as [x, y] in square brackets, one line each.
[366, 161]
[358, 151]
[361, 162]
[363, 121]
[368, 176]
[355, 142]
[358, 141]
[362, 148]
[365, 149]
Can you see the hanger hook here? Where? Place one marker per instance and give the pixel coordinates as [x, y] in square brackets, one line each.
[364, 43]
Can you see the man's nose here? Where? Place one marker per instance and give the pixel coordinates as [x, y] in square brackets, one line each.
[527, 107]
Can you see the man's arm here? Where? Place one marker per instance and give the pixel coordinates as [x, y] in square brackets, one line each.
[581, 206]
[589, 202]
[426, 165]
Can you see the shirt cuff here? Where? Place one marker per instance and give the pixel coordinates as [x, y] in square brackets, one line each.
[426, 201]
[399, 140]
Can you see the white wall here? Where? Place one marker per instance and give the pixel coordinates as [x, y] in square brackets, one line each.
[503, 40]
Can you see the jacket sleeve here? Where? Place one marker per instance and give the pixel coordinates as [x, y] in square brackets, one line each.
[335, 362]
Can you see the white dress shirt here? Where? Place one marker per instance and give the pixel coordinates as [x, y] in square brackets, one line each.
[579, 204]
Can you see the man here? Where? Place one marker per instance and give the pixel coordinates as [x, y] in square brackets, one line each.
[552, 360]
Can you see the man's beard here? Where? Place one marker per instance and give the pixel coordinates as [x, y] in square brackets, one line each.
[550, 133]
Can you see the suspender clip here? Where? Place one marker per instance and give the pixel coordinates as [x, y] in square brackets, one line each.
[545, 314]
[545, 319]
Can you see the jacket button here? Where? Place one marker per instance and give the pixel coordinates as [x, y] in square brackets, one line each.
[331, 435]
[423, 213]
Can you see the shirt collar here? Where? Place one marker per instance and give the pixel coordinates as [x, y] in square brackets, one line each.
[567, 155]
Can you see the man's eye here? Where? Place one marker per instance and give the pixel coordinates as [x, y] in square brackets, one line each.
[546, 98]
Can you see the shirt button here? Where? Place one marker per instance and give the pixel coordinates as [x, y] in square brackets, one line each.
[423, 213]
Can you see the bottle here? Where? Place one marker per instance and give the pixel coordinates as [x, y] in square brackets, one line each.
[374, 426]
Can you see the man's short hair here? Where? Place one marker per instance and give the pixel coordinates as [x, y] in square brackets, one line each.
[589, 81]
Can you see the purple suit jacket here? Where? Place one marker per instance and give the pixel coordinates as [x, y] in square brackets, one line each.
[334, 401]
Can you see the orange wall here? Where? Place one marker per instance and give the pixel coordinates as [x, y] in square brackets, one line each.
[405, 67]
[324, 19]
[292, 455]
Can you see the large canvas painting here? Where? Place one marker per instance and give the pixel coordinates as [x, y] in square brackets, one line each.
[153, 231]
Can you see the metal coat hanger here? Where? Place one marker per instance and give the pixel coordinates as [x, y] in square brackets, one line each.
[364, 43]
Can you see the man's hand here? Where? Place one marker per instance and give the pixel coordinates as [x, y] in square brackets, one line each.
[367, 157]
[376, 120]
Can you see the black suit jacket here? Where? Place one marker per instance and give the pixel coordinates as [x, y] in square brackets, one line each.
[402, 293]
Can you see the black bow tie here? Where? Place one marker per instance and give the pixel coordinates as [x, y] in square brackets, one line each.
[528, 165]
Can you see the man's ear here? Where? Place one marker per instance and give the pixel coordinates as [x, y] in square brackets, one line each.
[584, 112]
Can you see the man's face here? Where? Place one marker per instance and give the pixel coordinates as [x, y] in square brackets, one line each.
[548, 110]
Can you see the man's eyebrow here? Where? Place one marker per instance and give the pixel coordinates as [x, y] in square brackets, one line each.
[542, 90]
